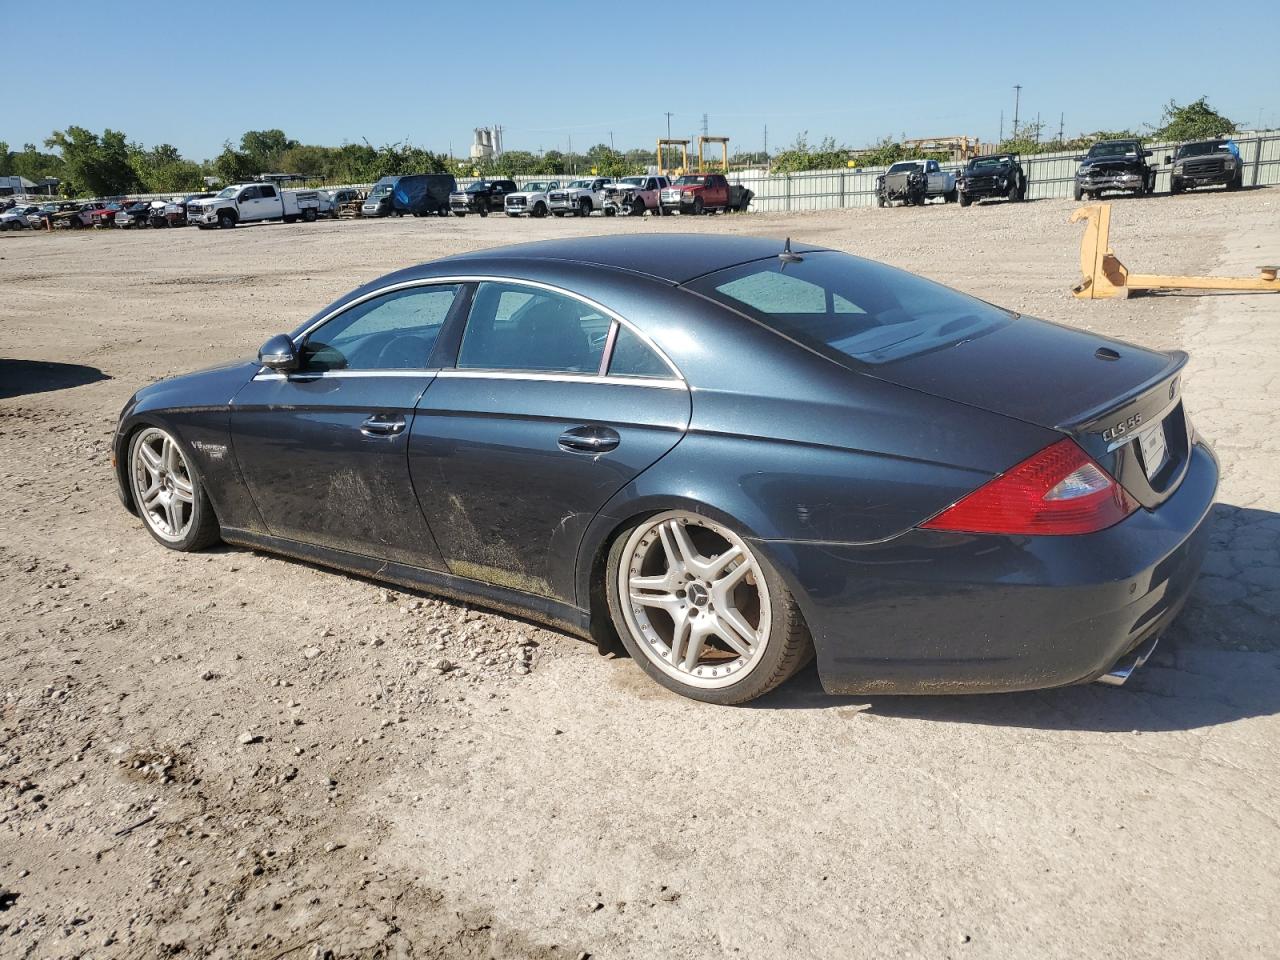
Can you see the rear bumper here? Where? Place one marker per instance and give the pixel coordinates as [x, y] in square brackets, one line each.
[932, 612]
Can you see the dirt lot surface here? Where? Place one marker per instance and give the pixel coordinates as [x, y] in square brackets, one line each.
[233, 755]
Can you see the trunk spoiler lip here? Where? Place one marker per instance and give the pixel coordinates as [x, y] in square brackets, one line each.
[1091, 417]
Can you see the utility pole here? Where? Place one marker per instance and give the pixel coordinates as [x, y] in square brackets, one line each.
[766, 144]
[1062, 126]
[705, 124]
[611, 142]
[1017, 97]
[668, 124]
[1037, 126]
[1001, 140]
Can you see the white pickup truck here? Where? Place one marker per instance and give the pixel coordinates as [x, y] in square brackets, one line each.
[579, 198]
[251, 203]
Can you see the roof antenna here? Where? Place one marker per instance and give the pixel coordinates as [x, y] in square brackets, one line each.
[786, 256]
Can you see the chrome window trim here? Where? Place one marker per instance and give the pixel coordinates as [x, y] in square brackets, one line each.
[420, 373]
[453, 373]
[518, 281]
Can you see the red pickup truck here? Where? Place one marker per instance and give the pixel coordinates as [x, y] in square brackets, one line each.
[697, 193]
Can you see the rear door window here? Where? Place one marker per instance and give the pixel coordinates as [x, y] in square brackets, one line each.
[514, 327]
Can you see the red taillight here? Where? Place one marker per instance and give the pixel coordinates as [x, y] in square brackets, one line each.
[1058, 491]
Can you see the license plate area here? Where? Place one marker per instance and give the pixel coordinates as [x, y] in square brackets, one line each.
[1153, 449]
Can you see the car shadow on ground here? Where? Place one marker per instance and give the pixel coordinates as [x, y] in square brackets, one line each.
[21, 377]
[1174, 691]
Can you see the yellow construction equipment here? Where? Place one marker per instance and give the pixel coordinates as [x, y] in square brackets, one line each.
[724, 146]
[1105, 276]
[663, 168]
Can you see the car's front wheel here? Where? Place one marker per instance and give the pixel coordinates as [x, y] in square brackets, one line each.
[701, 612]
[167, 492]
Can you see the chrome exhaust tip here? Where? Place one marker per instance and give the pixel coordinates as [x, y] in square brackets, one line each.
[1130, 662]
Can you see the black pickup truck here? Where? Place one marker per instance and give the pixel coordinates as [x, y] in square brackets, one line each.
[997, 175]
[1208, 163]
[1115, 165]
[482, 197]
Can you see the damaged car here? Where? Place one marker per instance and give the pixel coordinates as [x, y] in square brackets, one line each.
[1114, 166]
[1207, 163]
[732, 454]
[996, 176]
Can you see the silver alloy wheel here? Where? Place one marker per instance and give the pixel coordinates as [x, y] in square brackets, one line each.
[694, 598]
[162, 486]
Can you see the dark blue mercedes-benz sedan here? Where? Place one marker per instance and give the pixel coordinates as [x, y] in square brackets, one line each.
[734, 453]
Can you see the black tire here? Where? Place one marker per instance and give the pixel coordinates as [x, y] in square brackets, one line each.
[788, 648]
[458, 213]
[226, 219]
[557, 213]
[637, 208]
[539, 210]
[1077, 192]
[1015, 191]
[1236, 182]
[610, 212]
[951, 195]
[879, 199]
[963, 198]
[204, 530]
[584, 207]
[484, 210]
[699, 208]
[1175, 185]
[514, 216]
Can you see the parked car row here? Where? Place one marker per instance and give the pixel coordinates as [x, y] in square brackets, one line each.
[1109, 166]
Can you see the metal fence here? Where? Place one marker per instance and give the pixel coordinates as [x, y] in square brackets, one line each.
[1048, 175]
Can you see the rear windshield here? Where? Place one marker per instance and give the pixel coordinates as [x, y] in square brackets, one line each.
[848, 308]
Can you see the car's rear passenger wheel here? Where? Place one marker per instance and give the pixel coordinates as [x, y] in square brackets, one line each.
[167, 492]
[701, 612]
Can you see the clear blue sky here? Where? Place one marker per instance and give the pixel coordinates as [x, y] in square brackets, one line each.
[328, 72]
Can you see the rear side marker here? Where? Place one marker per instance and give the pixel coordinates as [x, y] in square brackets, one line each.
[1059, 491]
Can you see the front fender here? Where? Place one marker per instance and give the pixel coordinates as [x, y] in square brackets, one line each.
[195, 409]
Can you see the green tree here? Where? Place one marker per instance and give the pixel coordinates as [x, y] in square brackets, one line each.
[162, 169]
[264, 149]
[95, 165]
[1195, 121]
[232, 166]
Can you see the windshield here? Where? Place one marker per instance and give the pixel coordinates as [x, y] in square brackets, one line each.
[845, 307]
[633, 181]
[228, 193]
[687, 181]
[536, 187]
[580, 184]
[906, 168]
[1203, 149]
[988, 163]
[379, 190]
[1123, 149]
[480, 187]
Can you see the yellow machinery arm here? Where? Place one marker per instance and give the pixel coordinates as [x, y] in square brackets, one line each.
[1105, 276]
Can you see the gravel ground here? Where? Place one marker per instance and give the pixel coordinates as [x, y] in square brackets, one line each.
[233, 755]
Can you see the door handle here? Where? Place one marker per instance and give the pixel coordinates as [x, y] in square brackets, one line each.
[589, 440]
[376, 426]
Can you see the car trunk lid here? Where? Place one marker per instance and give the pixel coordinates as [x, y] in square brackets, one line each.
[1122, 403]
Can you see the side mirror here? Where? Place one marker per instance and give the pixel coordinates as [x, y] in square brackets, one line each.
[279, 354]
[1168, 158]
[1146, 153]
